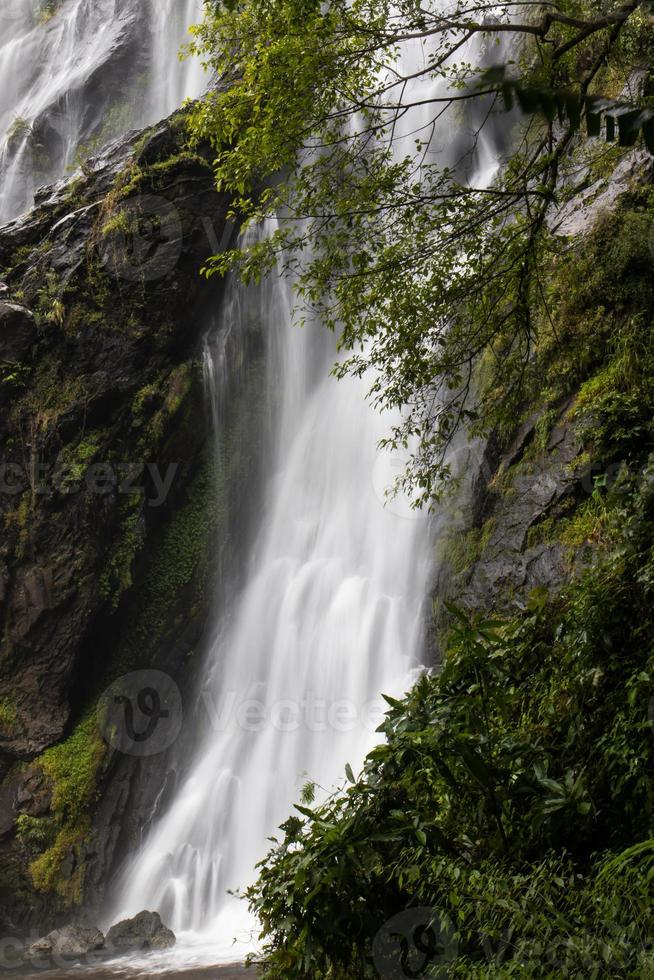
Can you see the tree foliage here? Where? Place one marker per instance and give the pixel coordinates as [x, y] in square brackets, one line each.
[415, 153]
[509, 795]
[372, 129]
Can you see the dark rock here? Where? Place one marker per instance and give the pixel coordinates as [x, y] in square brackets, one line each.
[122, 329]
[144, 931]
[510, 568]
[519, 493]
[72, 941]
[34, 793]
[8, 793]
[17, 331]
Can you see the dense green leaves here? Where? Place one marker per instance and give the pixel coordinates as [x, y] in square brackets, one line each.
[363, 127]
[508, 794]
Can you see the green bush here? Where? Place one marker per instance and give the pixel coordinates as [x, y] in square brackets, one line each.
[508, 783]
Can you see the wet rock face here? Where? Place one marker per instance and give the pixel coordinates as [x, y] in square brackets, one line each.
[17, 332]
[103, 302]
[514, 561]
[578, 216]
[519, 501]
[144, 931]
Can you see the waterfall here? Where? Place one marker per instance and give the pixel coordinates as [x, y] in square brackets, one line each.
[172, 79]
[76, 73]
[330, 617]
[332, 611]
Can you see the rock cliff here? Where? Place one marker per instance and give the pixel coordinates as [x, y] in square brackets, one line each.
[111, 493]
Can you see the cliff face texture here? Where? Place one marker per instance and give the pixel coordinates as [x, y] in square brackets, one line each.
[535, 512]
[117, 514]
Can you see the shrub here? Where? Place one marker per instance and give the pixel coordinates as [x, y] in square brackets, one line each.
[508, 783]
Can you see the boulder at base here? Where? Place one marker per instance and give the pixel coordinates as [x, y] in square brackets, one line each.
[144, 931]
[70, 941]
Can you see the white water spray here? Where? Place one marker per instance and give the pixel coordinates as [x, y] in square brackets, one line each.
[79, 72]
[330, 618]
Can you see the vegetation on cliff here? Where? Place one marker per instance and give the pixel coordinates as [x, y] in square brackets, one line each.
[513, 794]
[73, 769]
[395, 234]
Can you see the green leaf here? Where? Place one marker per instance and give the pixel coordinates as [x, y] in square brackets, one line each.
[305, 811]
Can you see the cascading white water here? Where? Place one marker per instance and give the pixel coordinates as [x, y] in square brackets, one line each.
[172, 79]
[331, 613]
[78, 71]
[330, 617]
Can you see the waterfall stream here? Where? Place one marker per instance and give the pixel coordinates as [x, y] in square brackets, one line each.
[330, 617]
[332, 611]
[76, 73]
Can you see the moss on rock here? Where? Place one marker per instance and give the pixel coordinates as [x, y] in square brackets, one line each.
[73, 768]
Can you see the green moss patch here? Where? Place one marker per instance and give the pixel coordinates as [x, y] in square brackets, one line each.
[462, 549]
[74, 768]
[8, 716]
